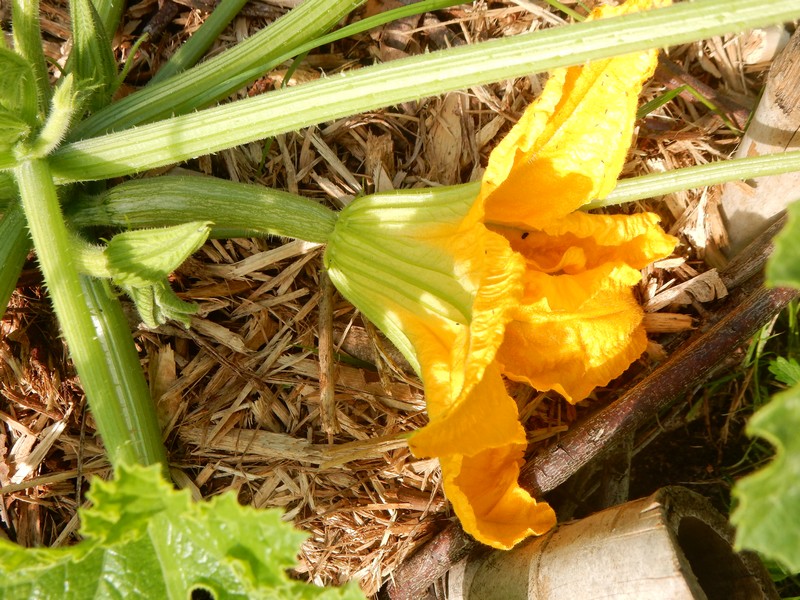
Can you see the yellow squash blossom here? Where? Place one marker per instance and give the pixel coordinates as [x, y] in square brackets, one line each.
[512, 282]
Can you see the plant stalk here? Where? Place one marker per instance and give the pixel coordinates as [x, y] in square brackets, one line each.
[179, 138]
[220, 76]
[94, 328]
[235, 209]
[659, 184]
[28, 44]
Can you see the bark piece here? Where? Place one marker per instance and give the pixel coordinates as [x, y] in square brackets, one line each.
[672, 544]
[775, 127]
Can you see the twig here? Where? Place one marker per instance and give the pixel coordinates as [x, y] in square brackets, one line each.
[327, 400]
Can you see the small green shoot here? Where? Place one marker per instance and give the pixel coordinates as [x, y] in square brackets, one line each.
[670, 95]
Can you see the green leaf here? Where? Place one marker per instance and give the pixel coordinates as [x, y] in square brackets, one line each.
[91, 60]
[769, 499]
[12, 128]
[783, 267]
[143, 539]
[785, 371]
[8, 159]
[157, 304]
[17, 87]
[14, 247]
[144, 256]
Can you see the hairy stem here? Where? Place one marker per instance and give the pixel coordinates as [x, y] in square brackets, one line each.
[289, 109]
[94, 328]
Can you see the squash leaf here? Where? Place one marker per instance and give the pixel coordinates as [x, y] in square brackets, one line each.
[769, 499]
[143, 539]
[783, 267]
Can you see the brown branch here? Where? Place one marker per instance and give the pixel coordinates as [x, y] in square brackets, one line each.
[327, 398]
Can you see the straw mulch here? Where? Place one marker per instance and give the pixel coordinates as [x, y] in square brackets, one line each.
[240, 394]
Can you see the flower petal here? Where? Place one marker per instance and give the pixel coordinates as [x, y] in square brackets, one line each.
[582, 334]
[480, 446]
[581, 241]
[443, 287]
[570, 144]
[579, 325]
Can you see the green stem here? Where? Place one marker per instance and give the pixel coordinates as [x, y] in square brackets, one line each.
[94, 328]
[127, 418]
[566, 10]
[284, 110]
[222, 75]
[28, 44]
[110, 12]
[90, 259]
[239, 208]
[659, 184]
[190, 52]
[14, 246]
[236, 209]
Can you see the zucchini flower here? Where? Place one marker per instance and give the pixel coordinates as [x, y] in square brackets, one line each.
[510, 280]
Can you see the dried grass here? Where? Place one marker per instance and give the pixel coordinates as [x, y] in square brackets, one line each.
[241, 396]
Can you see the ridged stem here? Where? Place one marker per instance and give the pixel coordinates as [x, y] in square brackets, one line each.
[94, 328]
[235, 209]
[289, 109]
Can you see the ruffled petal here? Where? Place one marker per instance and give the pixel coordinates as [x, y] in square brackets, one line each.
[581, 241]
[453, 365]
[570, 144]
[582, 332]
[480, 445]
